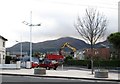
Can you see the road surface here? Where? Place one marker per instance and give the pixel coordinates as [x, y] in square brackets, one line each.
[7, 79]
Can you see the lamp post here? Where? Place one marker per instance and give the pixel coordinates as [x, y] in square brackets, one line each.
[20, 48]
[30, 25]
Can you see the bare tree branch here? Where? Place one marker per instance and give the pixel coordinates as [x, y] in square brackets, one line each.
[92, 27]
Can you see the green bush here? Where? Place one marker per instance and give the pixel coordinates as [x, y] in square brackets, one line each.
[107, 63]
[68, 58]
[7, 60]
[99, 63]
[76, 62]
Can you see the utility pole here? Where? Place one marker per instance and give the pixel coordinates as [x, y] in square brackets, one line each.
[20, 47]
[30, 25]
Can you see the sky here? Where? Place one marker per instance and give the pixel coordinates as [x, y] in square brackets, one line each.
[56, 17]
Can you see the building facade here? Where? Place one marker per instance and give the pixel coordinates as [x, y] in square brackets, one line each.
[98, 53]
[2, 49]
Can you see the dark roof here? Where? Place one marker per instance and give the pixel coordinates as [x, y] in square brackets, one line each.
[3, 38]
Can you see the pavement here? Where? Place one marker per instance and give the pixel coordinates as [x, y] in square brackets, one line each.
[63, 73]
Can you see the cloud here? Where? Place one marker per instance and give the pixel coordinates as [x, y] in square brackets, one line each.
[56, 17]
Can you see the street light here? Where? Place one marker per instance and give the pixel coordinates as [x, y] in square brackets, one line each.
[30, 25]
[20, 48]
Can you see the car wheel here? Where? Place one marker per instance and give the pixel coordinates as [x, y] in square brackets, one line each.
[46, 68]
[49, 68]
[55, 68]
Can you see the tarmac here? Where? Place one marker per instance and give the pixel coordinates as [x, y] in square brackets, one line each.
[63, 73]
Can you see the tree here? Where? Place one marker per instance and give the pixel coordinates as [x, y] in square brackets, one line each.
[36, 54]
[91, 28]
[114, 38]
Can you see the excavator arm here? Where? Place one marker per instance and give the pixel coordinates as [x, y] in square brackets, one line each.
[69, 46]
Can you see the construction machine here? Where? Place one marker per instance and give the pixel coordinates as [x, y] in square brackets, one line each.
[69, 46]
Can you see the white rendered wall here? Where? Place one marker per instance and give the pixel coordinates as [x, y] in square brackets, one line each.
[2, 52]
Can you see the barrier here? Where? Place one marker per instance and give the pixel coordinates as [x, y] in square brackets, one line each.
[28, 64]
[10, 66]
[18, 63]
[101, 74]
[40, 71]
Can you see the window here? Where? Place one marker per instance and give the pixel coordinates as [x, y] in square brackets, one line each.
[3, 56]
[3, 44]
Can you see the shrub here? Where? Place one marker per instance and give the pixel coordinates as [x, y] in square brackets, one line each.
[99, 63]
[68, 58]
[76, 62]
[7, 60]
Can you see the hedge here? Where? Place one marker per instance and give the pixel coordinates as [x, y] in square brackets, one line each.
[77, 62]
[101, 63]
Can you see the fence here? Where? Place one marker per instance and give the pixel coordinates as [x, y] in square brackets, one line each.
[10, 66]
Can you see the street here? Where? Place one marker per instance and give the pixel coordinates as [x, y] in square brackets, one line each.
[7, 79]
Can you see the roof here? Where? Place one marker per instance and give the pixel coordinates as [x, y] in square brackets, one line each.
[3, 38]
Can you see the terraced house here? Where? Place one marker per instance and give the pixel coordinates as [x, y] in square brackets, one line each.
[2, 49]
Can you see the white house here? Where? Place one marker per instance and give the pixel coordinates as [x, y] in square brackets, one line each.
[2, 49]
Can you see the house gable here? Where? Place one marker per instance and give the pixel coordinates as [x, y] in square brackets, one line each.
[3, 38]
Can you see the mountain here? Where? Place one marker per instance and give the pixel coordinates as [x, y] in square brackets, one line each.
[103, 44]
[50, 45]
[56, 44]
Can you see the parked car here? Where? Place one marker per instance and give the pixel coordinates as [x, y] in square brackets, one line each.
[48, 64]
